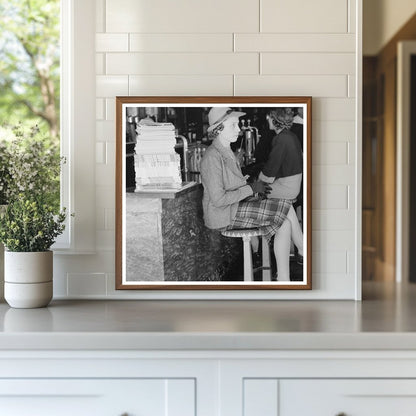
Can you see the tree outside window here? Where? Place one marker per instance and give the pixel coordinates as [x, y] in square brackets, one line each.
[30, 67]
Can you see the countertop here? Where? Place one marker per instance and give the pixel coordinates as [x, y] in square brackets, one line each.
[167, 193]
[385, 319]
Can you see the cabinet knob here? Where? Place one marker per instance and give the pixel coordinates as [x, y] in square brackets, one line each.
[338, 414]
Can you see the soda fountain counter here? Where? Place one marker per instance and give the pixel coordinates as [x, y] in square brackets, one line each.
[166, 239]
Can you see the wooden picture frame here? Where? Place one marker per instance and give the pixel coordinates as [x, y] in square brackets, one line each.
[162, 240]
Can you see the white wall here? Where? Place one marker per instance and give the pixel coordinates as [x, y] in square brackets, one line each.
[381, 20]
[233, 47]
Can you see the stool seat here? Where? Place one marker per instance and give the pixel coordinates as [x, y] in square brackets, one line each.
[242, 232]
[246, 234]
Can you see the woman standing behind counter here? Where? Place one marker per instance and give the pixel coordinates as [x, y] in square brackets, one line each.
[228, 201]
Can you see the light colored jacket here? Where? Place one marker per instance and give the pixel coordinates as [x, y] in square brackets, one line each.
[224, 186]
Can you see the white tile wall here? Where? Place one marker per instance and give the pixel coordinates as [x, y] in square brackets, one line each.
[330, 153]
[317, 16]
[310, 63]
[294, 42]
[88, 284]
[174, 42]
[182, 16]
[182, 63]
[181, 85]
[314, 85]
[100, 64]
[332, 219]
[233, 47]
[112, 42]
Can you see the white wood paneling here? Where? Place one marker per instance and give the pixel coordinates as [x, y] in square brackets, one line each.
[110, 153]
[328, 263]
[352, 16]
[334, 109]
[111, 86]
[104, 175]
[294, 42]
[86, 284]
[105, 240]
[109, 219]
[100, 64]
[100, 152]
[329, 240]
[314, 85]
[351, 86]
[330, 153]
[327, 130]
[222, 48]
[333, 175]
[332, 220]
[112, 42]
[181, 85]
[99, 109]
[318, 16]
[180, 63]
[330, 197]
[182, 16]
[110, 109]
[307, 63]
[175, 42]
[100, 15]
[105, 131]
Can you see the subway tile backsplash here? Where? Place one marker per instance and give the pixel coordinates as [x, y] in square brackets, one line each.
[233, 47]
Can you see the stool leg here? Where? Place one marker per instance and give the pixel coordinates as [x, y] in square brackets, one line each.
[267, 275]
[248, 262]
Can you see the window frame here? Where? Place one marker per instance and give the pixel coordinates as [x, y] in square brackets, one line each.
[78, 126]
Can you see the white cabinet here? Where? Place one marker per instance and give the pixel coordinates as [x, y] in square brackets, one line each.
[207, 383]
[348, 397]
[86, 397]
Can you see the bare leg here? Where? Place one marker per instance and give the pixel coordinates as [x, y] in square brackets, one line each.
[255, 244]
[296, 231]
[281, 249]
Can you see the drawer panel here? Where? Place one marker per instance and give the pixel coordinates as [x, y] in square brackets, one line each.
[347, 397]
[86, 397]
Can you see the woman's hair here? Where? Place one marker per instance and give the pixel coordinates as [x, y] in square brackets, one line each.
[282, 117]
[216, 131]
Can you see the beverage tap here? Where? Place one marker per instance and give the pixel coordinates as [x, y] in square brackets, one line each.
[250, 139]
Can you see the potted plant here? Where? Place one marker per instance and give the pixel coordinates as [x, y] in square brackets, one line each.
[32, 220]
[28, 228]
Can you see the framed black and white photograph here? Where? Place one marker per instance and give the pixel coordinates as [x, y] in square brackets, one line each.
[213, 193]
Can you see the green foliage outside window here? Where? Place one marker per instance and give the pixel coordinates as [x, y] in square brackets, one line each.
[30, 74]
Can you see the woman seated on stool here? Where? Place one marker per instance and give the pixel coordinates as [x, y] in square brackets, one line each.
[229, 202]
[283, 171]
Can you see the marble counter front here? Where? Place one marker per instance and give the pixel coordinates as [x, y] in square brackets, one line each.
[166, 239]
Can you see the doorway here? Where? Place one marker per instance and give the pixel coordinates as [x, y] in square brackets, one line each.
[406, 152]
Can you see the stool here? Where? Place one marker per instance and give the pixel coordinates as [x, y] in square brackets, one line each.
[246, 234]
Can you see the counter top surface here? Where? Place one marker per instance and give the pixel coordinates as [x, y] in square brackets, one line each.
[383, 320]
[167, 193]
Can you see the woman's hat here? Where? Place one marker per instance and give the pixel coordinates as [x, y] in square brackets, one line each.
[219, 114]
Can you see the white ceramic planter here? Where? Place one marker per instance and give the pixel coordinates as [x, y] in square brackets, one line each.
[28, 279]
[2, 210]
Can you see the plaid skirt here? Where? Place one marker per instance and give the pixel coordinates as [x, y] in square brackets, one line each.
[266, 214]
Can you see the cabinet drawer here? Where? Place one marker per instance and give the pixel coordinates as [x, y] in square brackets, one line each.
[347, 397]
[86, 397]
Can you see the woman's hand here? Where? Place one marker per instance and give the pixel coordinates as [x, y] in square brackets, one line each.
[260, 187]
